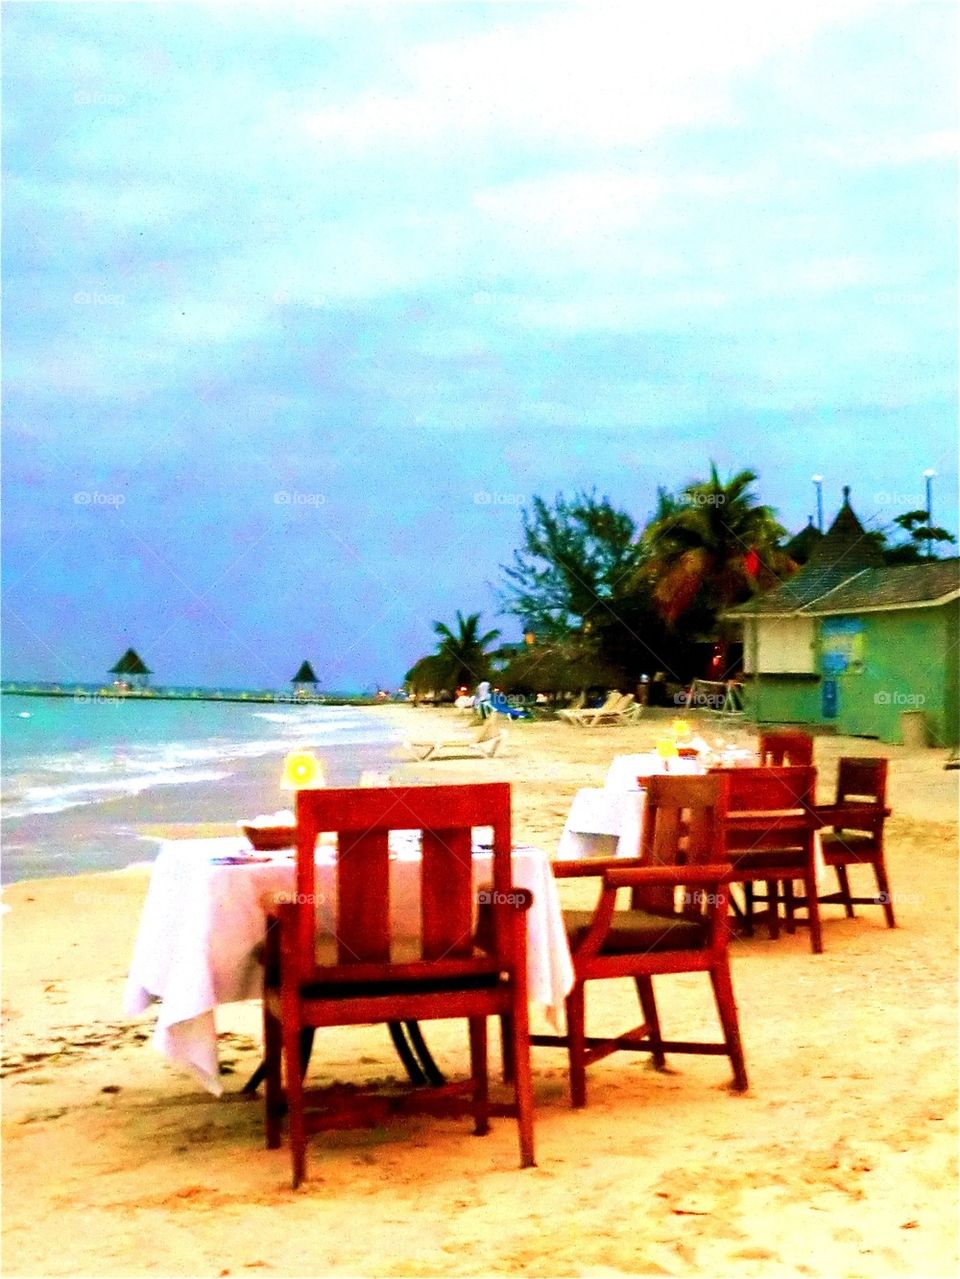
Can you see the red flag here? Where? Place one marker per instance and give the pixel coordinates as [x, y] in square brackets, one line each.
[751, 563]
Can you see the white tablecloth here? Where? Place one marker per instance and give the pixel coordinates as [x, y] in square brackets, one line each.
[201, 922]
[605, 821]
[602, 822]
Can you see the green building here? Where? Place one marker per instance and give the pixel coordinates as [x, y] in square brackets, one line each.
[852, 643]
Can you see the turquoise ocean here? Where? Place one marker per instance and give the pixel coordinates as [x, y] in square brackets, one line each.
[81, 774]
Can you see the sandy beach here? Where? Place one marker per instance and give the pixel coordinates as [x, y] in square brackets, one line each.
[840, 1160]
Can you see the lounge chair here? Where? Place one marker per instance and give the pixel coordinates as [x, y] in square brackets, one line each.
[582, 714]
[576, 705]
[484, 744]
[618, 709]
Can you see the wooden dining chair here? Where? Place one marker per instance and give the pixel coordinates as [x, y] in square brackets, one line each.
[777, 749]
[360, 975]
[681, 854]
[770, 837]
[856, 820]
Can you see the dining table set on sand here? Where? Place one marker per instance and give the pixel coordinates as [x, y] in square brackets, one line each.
[403, 905]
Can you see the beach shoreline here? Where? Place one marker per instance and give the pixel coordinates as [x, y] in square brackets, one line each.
[841, 1158]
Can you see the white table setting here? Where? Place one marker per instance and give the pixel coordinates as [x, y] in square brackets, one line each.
[205, 912]
[605, 821]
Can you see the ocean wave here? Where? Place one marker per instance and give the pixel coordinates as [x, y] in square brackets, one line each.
[56, 799]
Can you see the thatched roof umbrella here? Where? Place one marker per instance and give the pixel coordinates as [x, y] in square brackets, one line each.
[131, 669]
[305, 681]
[557, 668]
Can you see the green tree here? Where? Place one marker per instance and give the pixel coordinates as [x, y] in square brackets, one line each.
[462, 655]
[576, 557]
[710, 547]
[576, 584]
[921, 538]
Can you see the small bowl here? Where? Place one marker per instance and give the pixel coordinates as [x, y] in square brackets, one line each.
[268, 839]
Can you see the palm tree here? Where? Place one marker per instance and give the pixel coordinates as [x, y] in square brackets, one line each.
[711, 547]
[462, 654]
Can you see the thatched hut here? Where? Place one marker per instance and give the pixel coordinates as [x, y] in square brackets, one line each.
[131, 671]
[304, 683]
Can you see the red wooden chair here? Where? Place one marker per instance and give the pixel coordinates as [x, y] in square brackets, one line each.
[856, 819]
[770, 831]
[777, 749]
[354, 978]
[681, 848]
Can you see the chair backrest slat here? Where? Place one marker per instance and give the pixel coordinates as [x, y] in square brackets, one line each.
[786, 789]
[446, 894]
[362, 820]
[774, 807]
[862, 779]
[683, 820]
[779, 749]
[363, 897]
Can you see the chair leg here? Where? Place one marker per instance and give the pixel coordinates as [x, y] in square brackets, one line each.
[273, 1092]
[883, 884]
[576, 1045]
[748, 906]
[506, 1046]
[523, 1079]
[478, 1073]
[648, 1003]
[727, 1009]
[789, 906]
[844, 882]
[773, 908]
[295, 1108]
[813, 909]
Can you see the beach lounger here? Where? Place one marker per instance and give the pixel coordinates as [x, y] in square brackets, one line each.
[482, 745]
[576, 705]
[622, 709]
[586, 714]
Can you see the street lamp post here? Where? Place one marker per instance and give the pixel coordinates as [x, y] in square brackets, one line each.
[818, 482]
[928, 476]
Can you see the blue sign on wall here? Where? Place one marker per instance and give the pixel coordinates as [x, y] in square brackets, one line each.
[841, 646]
[828, 699]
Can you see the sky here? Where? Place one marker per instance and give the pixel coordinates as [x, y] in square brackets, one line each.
[303, 304]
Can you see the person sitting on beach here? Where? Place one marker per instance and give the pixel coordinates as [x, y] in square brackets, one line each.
[482, 702]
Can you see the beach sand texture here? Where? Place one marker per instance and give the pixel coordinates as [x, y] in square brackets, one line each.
[840, 1160]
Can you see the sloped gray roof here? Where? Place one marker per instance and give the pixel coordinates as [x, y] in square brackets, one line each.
[895, 586]
[802, 545]
[842, 552]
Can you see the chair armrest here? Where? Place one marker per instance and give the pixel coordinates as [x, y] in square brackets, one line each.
[850, 814]
[592, 866]
[648, 876]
